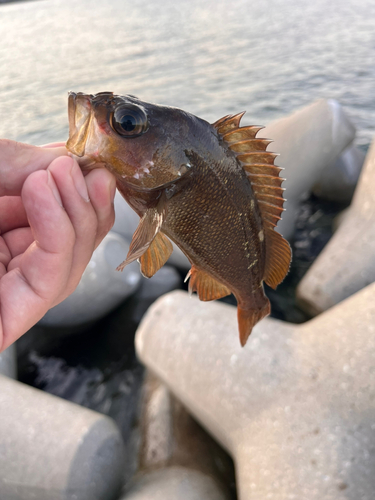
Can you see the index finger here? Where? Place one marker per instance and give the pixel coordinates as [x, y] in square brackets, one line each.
[18, 161]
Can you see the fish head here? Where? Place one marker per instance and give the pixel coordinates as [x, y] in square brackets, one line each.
[144, 145]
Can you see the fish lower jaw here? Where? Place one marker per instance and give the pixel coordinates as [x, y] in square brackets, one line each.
[87, 163]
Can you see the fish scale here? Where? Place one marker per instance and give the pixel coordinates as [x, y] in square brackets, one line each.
[212, 247]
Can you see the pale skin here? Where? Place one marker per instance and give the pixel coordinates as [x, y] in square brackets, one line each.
[51, 220]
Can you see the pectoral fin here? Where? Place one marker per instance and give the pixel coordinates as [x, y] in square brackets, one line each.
[147, 229]
[207, 287]
[156, 255]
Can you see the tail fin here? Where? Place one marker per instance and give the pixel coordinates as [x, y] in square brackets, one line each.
[248, 318]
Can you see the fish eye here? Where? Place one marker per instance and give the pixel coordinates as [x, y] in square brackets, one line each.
[129, 121]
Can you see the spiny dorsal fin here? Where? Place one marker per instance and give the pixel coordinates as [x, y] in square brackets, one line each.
[264, 178]
[206, 286]
[228, 123]
[236, 135]
[156, 255]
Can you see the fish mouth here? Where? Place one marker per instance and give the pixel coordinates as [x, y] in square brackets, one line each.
[80, 116]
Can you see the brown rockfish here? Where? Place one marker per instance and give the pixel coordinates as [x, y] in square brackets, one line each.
[212, 189]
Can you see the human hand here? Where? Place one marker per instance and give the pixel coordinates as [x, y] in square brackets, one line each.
[51, 220]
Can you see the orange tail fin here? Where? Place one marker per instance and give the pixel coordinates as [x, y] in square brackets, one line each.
[248, 318]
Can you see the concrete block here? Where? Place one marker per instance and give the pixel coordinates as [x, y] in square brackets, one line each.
[51, 449]
[156, 425]
[177, 458]
[101, 288]
[175, 483]
[295, 407]
[171, 437]
[338, 181]
[8, 364]
[309, 140]
[347, 263]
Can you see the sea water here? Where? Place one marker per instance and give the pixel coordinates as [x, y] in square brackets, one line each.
[209, 57]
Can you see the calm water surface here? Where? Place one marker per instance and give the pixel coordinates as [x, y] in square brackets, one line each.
[209, 57]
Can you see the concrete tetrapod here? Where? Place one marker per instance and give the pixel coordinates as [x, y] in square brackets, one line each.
[51, 449]
[347, 263]
[338, 181]
[308, 141]
[174, 483]
[177, 458]
[295, 407]
[8, 362]
[101, 288]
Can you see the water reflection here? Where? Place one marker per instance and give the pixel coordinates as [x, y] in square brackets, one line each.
[209, 58]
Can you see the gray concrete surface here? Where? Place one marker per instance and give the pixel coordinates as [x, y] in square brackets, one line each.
[175, 483]
[8, 363]
[295, 407]
[308, 141]
[177, 458]
[101, 288]
[51, 449]
[347, 263]
[337, 182]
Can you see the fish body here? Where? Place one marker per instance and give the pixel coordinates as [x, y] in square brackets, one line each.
[212, 189]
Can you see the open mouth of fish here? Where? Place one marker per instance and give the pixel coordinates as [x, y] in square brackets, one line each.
[80, 116]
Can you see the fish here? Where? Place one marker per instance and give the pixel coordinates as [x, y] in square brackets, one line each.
[212, 189]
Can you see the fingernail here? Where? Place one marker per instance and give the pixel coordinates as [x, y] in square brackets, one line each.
[53, 188]
[79, 181]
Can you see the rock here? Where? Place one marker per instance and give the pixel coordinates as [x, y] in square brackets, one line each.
[337, 181]
[309, 140]
[294, 407]
[347, 263]
[175, 483]
[51, 449]
[8, 362]
[101, 288]
[126, 223]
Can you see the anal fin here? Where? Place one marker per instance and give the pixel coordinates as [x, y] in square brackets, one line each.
[156, 255]
[278, 256]
[207, 287]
